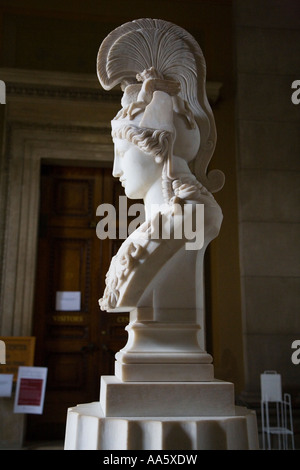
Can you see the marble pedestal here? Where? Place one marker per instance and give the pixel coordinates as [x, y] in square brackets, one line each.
[88, 429]
[161, 416]
[166, 400]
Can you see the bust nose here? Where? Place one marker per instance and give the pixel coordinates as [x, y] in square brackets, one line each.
[117, 170]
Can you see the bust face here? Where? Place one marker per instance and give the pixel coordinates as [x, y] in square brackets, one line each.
[136, 170]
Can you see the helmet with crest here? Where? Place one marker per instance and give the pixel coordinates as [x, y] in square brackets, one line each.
[162, 73]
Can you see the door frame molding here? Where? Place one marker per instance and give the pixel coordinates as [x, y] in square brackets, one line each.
[51, 117]
[36, 132]
[30, 146]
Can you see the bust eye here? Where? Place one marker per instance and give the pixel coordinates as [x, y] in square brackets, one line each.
[120, 153]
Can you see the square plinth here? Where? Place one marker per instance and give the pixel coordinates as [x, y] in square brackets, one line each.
[164, 372]
[144, 399]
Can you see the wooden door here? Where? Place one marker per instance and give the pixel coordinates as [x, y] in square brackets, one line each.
[76, 343]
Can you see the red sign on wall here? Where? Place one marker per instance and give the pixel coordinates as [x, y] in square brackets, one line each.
[30, 392]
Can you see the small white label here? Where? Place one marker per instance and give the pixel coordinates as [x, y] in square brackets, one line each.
[68, 301]
[6, 382]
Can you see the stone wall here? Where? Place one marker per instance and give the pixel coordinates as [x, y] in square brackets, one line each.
[268, 147]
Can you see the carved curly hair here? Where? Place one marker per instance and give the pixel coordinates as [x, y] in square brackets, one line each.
[157, 143]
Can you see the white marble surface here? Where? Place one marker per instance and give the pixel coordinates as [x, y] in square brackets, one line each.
[88, 429]
[164, 372]
[143, 399]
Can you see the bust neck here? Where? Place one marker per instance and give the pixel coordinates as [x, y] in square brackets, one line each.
[154, 197]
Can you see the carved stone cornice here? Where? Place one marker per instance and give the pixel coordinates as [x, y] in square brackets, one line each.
[55, 85]
[62, 128]
[50, 91]
[69, 86]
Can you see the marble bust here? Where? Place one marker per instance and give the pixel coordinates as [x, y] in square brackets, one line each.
[165, 126]
[163, 389]
[164, 136]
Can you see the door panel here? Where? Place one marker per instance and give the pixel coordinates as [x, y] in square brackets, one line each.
[77, 346]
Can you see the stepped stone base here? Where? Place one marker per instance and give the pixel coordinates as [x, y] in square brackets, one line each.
[135, 399]
[88, 429]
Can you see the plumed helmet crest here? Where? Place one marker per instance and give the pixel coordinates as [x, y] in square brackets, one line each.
[166, 58]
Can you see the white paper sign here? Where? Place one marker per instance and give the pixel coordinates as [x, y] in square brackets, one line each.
[6, 382]
[68, 301]
[30, 390]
